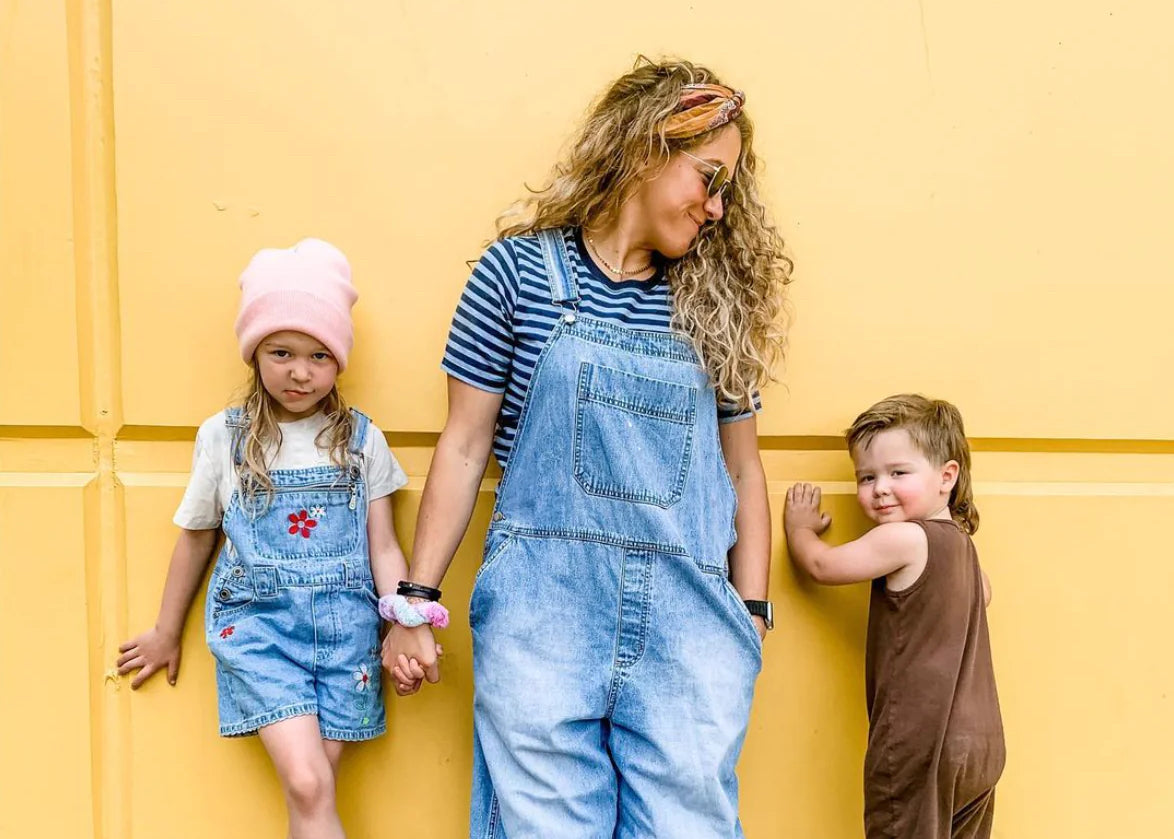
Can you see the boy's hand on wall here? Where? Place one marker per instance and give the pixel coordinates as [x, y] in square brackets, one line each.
[149, 653]
[802, 510]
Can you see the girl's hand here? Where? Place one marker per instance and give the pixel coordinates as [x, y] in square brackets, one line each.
[411, 657]
[802, 511]
[149, 653]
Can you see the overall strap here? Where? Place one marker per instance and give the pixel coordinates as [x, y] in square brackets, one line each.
[564, 285]
[360, 422]
[237, 424]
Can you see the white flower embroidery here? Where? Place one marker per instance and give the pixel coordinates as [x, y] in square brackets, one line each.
[318, 512]
[362, 678]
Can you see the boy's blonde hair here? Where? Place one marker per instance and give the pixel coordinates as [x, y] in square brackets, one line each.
[262, 438]
[728, 289]
[935, 427]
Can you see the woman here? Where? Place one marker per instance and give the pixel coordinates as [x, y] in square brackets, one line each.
[608, 348]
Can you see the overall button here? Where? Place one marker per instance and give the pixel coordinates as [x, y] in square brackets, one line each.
[568, 318]
[225, 594]
[238, 571]
[499, 516]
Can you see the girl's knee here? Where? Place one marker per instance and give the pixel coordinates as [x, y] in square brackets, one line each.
[310, 788]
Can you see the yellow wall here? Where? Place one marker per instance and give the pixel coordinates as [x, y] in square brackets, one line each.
[978, 200]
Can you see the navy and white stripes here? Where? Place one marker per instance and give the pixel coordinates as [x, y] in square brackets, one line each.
[505, 317]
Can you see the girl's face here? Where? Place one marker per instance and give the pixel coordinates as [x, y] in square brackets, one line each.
[896, 482]
[297, 371]
[674, 203]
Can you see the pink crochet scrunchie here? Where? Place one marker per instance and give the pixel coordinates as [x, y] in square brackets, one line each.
[395, 608]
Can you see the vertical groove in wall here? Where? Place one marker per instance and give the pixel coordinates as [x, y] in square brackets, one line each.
[95, 237]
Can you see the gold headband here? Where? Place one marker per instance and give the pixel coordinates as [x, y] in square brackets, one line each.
[703, 107]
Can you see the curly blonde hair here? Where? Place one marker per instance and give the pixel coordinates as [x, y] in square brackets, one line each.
[262, 438]
[728, 289]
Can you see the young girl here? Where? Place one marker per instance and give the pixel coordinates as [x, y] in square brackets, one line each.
[300, 485]
[935, 743]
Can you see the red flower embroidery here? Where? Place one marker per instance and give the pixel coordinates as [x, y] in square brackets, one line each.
[301, 523]
[228, 630]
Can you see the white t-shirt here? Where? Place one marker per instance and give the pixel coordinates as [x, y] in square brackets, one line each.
[214, 477]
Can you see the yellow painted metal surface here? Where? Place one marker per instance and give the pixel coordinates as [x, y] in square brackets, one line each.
[977, 201]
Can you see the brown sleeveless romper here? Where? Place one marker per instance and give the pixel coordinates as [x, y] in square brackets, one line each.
[935, 742]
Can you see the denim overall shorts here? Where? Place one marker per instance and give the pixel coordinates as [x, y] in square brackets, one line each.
[291, 615]
[614, 663]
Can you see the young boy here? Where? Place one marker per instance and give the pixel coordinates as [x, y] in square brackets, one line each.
[935, 743]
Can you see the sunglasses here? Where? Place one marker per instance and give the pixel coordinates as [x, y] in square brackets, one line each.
[719, 181]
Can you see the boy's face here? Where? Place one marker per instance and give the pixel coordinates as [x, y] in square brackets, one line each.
[896, 482]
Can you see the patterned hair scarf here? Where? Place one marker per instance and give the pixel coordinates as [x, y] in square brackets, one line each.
[703, 107]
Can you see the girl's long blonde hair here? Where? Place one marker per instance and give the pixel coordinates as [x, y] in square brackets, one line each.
[728, 289]
[261, 439]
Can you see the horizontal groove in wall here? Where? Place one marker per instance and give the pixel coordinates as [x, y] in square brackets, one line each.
[767, 442]
[43, 432]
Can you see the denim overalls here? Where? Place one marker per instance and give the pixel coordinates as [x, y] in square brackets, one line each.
[291, 615]
[614, 663]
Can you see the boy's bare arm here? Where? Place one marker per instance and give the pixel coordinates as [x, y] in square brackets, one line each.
[882, 551]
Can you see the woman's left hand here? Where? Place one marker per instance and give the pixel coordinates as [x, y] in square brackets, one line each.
[760, 625]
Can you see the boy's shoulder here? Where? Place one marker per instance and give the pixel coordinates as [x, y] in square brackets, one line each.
[898, 535]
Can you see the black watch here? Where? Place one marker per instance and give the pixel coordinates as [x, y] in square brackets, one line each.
[763, 609]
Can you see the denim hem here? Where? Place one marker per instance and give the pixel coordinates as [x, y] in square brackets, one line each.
[352, 735]
[250, 726]
[579, 534]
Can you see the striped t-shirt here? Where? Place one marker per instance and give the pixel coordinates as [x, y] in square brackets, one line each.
[505, 317]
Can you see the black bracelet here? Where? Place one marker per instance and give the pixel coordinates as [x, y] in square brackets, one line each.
[410, 589]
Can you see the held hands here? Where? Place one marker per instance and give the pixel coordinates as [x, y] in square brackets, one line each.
[411, 657]
[802, 511]
[149, 653]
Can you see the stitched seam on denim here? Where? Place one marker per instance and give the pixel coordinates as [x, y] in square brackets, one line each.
[744, 614]
[569, 272]
[618, 679]
[582, 535]
[524, 414]
[663, 345]
[314, 624]
[361, 422]
[228, 612]
[606, 490]
[554, 248]
[494, 816]
[715, 570]
[594, 391]
[353, 735]
[628, 662]
[725, 471]
[350, 528]
[641, 409]
[251, 724]
[491, 558]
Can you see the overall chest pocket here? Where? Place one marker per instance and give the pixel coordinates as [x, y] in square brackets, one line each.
[633, 435]
[319, 520]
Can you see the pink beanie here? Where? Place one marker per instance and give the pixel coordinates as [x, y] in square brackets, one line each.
[306, 288]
